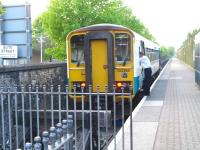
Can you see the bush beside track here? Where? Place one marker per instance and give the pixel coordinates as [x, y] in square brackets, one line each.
[189, 53]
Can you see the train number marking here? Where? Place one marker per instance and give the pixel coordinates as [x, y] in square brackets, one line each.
[123, 70]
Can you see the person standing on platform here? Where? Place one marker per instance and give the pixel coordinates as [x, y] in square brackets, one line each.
[146, 66]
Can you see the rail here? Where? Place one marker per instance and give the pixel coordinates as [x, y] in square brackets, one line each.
[40, 117]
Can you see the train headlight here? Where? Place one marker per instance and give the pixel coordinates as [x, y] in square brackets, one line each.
[119, 85]
[79, 85]
[83, 84]
[124, 84]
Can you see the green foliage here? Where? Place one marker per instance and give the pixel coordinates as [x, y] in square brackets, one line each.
[37, 33]
[186, 51]
[2, 10]
[38, 28]
[167, 52]
[64, 16]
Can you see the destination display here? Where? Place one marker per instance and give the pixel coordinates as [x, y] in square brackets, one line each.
[8, 51]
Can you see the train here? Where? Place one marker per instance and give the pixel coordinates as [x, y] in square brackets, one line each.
[107, 54]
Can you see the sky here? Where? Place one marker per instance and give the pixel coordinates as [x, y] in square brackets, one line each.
[169, 21]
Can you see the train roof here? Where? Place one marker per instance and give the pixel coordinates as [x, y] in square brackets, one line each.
[148, 43]
[102, 27]
[107, 26]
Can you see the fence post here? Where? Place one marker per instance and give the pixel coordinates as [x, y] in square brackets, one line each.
[30, 114]
[52, 137]
[70, 132]
[2, 118]
[37, 145]
[59, 132]
[64, 127]
[70, 117]
[131, 123]
[45, 106]
[23, 116]
[28, 146]
[67, 100]
[114, 114]
[45, 139]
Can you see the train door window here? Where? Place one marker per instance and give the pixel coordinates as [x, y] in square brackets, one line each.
[142, 47]
[152, 55]
[77, 49]
[122, 47]
[156, 54]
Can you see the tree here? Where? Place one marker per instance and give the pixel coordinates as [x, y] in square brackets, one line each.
[167, 52]
[2, 10]
[37, 30]
[37, 33]
[171, 51]
[186, 51]
[64, 16]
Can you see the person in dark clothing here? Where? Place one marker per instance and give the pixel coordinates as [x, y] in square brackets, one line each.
[146, 66]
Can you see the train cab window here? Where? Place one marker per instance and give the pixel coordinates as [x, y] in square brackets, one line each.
[122, 47]
[77, 47]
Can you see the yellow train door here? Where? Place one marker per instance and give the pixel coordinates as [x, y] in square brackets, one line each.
[99, 64]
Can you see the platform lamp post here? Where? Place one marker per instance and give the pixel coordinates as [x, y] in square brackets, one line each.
[41, 39]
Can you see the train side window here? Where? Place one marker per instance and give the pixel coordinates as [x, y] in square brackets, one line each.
[122, 46]
[77, 49]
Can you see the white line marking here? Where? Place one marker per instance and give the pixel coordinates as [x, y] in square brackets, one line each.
[153, 103]
[127, 123]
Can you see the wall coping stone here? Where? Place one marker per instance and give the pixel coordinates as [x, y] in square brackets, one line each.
[28, 67]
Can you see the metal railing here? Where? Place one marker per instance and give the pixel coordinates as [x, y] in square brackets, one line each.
[85, 119]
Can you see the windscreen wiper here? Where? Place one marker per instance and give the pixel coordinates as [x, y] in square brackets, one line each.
[125, 58]
[124, 61]
[78, 63]
[79, 60]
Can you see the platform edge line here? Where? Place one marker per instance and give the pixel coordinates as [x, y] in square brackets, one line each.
[135, 111]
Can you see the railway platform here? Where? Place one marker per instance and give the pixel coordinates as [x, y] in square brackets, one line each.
[170, 117]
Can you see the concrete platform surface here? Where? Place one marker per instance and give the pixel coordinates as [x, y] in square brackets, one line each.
[169, 119]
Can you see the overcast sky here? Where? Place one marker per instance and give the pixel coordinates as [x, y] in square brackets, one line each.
[168, 20]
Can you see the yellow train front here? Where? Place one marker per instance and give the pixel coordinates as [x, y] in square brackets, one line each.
[101, 55]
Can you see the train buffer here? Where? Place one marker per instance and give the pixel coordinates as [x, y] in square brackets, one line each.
[169, 117]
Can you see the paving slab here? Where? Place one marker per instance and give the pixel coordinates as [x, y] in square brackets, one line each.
[144, 136]
[169, 119]
[179, 124]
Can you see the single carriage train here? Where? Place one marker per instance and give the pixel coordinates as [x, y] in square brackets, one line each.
[107, 54]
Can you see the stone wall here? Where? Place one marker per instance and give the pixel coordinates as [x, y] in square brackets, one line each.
[35, 74]
[41, 74]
